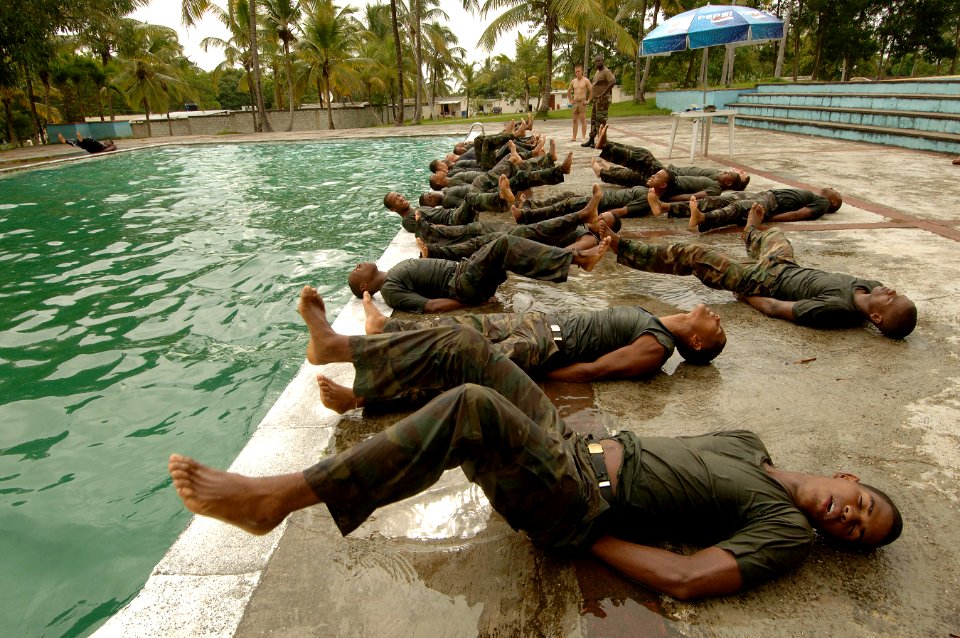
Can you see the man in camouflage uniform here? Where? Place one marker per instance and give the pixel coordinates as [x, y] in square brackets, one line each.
[438, 285]
[600, 95]
[465, 212]
[774, 284]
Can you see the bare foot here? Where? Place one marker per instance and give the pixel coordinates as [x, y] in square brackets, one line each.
[606, 233]
[956, 161]
[588, 214]
[516, 212]
[509, 127]
[505, 193]
[553, 149]
[511, 146]
[375, 320]
[567, 164]
[254, 504]
[696, 217]
[417, 216]
[754, 217]
[338, 398]
[322, 336]
[587, 259]
[595, 165]
[424, 251]
[654, 200]
[602, 137]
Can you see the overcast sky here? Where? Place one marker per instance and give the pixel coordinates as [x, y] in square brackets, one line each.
[467, 28]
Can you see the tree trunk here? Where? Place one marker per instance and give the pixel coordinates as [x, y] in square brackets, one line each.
[782, 49]
[326, 81]
[11, 134]
[637, 91]
[418, 56]
[843, 70]
[45, 79]
[550, 25]
[146, 110]
[646, 66]
[815, 74]
[586, 48]
[396, 40]
[263, 125]
[796, 43]
[169, 123]
[286, 55]
[687, 78]
[33, 106]
[916, 60]
[956, 51]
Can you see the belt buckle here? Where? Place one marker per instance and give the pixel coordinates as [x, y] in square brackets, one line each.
[595, 448]
[557, 335]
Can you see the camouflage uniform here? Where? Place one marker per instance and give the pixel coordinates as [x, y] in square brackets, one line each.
[706, 205]
[770, 249]
[488, 146]
[496, 424]
[609, 199]
[457, 242]
[639, 163]
[477, 278]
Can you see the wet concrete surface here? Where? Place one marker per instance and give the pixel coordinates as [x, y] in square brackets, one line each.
[442, 564]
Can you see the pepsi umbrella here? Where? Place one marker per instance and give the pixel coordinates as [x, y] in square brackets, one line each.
[712, 25]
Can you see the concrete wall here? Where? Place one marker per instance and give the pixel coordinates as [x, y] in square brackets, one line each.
[242, 121]
[682, 99]
[96, 130]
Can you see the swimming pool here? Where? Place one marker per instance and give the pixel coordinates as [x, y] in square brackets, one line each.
[148, 303]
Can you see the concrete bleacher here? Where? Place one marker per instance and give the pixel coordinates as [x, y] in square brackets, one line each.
[922, 114]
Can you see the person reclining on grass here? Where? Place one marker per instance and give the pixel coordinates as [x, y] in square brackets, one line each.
[623, 342]
[566, 491]
[464, 213]
[774, 284]
[438, 285]
[575, 231]
[638, 164]
[731, 209]
[88, 144]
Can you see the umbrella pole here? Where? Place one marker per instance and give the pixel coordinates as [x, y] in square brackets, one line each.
[703, 75]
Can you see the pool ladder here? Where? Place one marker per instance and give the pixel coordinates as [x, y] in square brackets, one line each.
[472, 134]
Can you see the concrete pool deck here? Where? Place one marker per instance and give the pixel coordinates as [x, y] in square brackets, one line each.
[442, 565]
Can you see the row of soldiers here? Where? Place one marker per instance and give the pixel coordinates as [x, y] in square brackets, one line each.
[615, 496]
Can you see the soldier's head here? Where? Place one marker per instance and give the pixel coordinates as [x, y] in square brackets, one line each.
[439, 181]
[845, 509]
[395, 202]
[706, 337]
[836, 201]
[438, 165]
[460, 148]
[661, 179]
[431, 198]
[894, 315]
[733, 180]
[598, 61]
[363, 278]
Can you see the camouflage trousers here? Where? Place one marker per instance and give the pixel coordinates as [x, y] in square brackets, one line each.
[522, 178]
[478, 277]
[598, 114]
[559, 231]
[523, 337]
[735, 212]
[770, 250]
[637, 164]
[487, 147]
[706, 205]
[495, 424]
[609, 199]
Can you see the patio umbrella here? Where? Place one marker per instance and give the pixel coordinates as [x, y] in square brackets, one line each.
[711, 25]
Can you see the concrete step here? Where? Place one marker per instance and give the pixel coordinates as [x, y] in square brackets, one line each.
[937, 86]
[925, 102]
[906, 138]
[881, 118]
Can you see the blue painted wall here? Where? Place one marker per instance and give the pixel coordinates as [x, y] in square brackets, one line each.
[96, 130]
[681, 100]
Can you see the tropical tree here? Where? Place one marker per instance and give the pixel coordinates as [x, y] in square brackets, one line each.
[282, 17]
[330, 36]
[445, 56]
[397, 46]
[236, 49]
[148, 73]
[466, 74]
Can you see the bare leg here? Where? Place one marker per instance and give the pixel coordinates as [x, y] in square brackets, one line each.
[255, 505]
[376, 320]
[606, 233]
[653, 199]
[325, 346]
[602, 136]
[754, 217]
[588, 214]
[553, 149]
[696, 217]
[336, 397]
[567, 164]
[587, 259]
[516, 209]
[505, 193]
[424, 250]
[595, 165]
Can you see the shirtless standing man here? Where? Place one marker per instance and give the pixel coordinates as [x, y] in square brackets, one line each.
[577, 93]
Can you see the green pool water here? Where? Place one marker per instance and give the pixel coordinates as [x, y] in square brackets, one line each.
[147, 304]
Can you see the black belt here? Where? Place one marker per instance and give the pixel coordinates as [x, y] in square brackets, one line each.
[600, 469]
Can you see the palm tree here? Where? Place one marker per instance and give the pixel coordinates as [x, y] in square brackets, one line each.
[444, 56]
[193, 10]
[148, 72]
[396, 41]
[466, 73]
[330, 35]
[282, 16]
[236, 50]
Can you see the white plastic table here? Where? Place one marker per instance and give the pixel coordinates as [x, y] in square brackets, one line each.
[701, 121]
